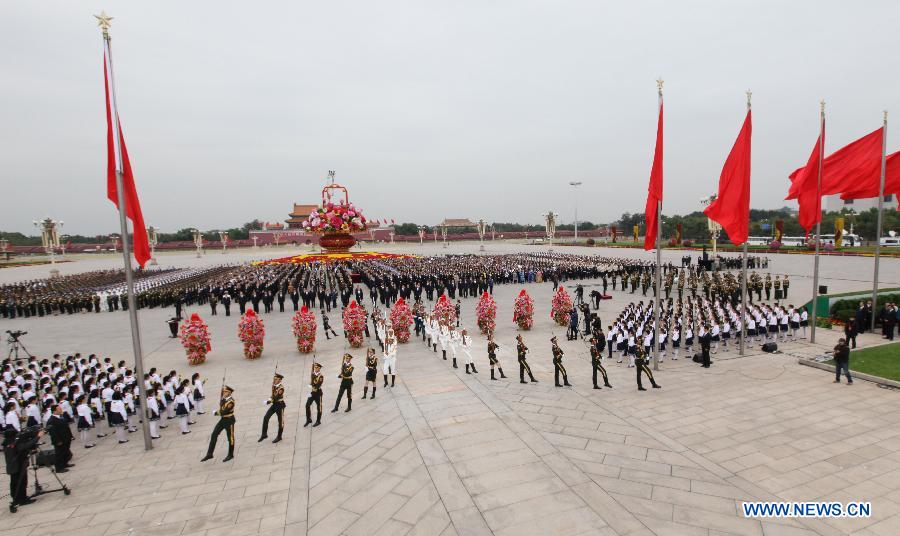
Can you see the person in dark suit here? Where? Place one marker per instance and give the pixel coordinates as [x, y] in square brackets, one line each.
[705, 340]
[61, 438]
[850, 332]
[16, 453]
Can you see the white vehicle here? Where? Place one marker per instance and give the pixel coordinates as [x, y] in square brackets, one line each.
[848, 241]
[793, 240]
[891, 241]
[758, 240]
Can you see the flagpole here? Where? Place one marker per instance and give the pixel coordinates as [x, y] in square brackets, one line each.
[126, 249]
[657, 305]
[814, 319]
[744, 276]
[880, 209]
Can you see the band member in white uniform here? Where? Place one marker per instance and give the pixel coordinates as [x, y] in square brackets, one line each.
[389, 361]
[444, 339]
[455, 340]
[466, 343]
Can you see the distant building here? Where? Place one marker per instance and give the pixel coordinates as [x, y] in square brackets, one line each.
[299, 215]
[458, 222]
[834, 203]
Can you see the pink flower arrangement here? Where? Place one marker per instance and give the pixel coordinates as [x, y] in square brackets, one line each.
[355, 324]
[523, 310]
[445, 311]
[303, 325]
[194, 335]
[401, 319]
[486, 313]
[251, 332]
[560, 306]
[335, 217]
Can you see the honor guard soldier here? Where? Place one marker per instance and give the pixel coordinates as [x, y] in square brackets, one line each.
[346, 377]
[521, 350]
[640, 363]
[173, 327]
[492, 356]
[371, 371]
[315, 395]
[226, 423]
[276, 407]
[558, 367]
[596, 365]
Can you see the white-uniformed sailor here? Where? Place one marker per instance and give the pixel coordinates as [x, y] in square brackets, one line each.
[389, 359]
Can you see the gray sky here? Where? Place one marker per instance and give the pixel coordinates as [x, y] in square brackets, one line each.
[234, 110]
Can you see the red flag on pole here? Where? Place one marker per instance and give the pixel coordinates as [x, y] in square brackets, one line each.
[848, 166]
[655, 190]
[731, 209]
[807, 182]
[132, 204]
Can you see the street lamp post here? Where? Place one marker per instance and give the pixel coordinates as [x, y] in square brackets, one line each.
[482, 228]
[198, 241]
[576, 184]
[153, 239]
[444, 234]
[493, 232]
[255, 238]
[223, 237]
[421, 235]
[4, 247]
[391, 234]
[550, 226]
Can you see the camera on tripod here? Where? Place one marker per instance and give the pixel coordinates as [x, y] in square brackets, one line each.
[14, 335]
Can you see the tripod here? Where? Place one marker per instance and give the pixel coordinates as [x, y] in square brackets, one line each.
[38, 488]
[14, 345]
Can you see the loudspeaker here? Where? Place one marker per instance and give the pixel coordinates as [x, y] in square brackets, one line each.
[823, 289]
[769, 347]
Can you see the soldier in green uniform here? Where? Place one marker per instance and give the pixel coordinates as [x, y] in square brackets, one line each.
[640, 363]
[521, 350]
[492, 356]
[768, 287]
[315, 395]
[346, 377]
[596, 365]
[226, 424]
[276, 407]
[558, 367]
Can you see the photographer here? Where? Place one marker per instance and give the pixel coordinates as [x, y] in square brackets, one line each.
[61, 437]
[16, 448]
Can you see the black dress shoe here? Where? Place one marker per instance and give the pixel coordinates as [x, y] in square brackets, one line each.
[260, 440]
[641, 389]
[228, 458]
[277, 439]
[207, 457]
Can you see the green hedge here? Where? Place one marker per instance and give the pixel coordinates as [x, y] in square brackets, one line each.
[846, 309]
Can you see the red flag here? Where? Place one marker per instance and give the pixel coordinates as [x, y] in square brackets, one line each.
[870, 186]
[655, 190]
[848, 166]
[807, 181]
[132, 204]
[731, 209]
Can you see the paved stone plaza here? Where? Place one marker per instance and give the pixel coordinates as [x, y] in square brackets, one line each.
[445, 453]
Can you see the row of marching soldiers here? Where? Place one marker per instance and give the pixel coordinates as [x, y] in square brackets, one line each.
[100, 397]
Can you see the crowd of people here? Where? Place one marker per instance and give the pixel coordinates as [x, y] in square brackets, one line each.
[95, 397]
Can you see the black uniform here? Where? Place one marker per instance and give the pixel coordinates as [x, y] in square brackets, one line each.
[276, 407]
[521, 350]
[226, 424]
[315, 395]
[346, 377]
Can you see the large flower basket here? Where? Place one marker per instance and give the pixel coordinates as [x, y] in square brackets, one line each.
[303, 325]
[401, 319]
[337, 242]
[251, 332]
[523, 310]
[445, 311]
[194, 335]
[486, 313]
[355, 324]
[560, 306]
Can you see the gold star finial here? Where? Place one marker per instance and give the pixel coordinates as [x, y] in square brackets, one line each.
[749, 94]
[659, 84]
[103, 21]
